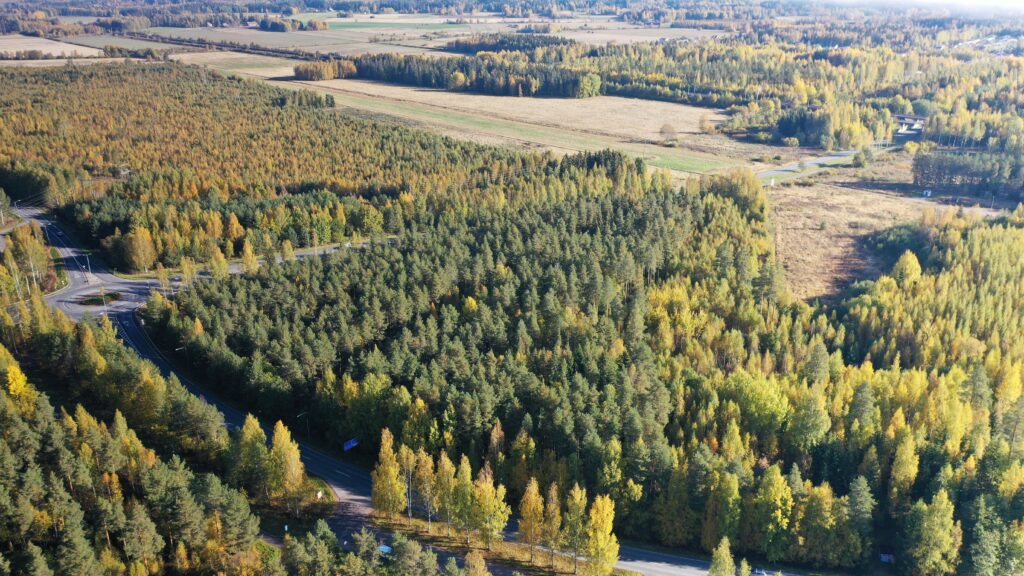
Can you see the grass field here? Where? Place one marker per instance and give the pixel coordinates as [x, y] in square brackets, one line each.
[822, 223]
[13, 43]
[49, 63]
[341, 41]
[102, 40]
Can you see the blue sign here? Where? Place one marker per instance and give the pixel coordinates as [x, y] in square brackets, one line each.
[350, 444]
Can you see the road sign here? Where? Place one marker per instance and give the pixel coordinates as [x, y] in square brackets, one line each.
[350, 444]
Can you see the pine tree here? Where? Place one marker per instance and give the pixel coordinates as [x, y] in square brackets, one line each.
[33, 563]
[986, 542]
[531, 516]
[141, 542]
[389, 491]
[602, 545]
[862, 509]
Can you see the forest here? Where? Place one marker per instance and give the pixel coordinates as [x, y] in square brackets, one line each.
[127, 179]
[586, 346]
[556, 321]
[27, 261]
[667, 369]
[141, 477]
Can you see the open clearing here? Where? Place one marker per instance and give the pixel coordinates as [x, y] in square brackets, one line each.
[424, 33]
[53, 62]
[346, 42]
[630, 119]
[821, 225]
[13, 43]
[239, 63]
[561, 125]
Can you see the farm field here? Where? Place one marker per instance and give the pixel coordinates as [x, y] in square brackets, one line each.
[339, 41]
[239, 63]
[421, 33]
[102, 40]
[554, 124]
[53, 62]
[630, 119]
[13, 43]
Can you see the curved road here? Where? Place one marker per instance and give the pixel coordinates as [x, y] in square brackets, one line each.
[350, 483]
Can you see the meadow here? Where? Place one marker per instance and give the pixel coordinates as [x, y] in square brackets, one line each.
[14, 43]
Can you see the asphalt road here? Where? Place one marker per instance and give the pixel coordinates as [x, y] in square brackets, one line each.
[350, 483]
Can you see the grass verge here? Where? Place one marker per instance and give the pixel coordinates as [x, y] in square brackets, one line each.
[512, 554]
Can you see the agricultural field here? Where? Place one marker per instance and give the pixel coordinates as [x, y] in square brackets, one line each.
[14, 43]
[239, 63]
[628, 119]
[103, 40]
[53, 62]
[341, 41]
[424, 33]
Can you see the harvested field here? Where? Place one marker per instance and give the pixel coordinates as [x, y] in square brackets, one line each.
[630, 119]
[51, 62]
[14, 43]
[102, 40]
[599, 35]
[424, 33]
[239, 63]
[339, 41]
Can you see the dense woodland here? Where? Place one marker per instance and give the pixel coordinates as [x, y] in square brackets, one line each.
[126, 175]
[80, 496]
[577, 335]
[582, 320]
[666, 369]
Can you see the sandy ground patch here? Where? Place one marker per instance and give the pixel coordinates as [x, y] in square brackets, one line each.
[13, 43]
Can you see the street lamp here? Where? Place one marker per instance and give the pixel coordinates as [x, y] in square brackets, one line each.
[306, 416]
